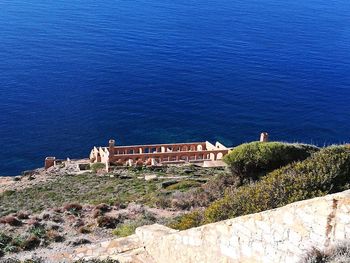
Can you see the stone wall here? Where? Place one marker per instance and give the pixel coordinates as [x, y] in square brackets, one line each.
[279, 235]
[126, 250]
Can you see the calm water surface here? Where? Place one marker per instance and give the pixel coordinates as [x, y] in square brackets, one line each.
[75, 73]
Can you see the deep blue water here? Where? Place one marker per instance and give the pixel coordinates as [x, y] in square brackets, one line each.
[75, 73]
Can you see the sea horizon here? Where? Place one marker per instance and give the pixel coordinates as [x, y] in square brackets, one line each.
[75, 74]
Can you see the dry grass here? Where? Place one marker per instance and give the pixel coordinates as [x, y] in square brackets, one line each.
[93, 189]
[340, 253]
[11, 220]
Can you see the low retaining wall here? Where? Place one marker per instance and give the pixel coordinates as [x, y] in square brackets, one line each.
[279, 235]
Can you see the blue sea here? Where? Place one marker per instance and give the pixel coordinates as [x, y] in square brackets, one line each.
[76, 73]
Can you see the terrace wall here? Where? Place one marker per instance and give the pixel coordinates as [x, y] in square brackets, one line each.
[279, 235]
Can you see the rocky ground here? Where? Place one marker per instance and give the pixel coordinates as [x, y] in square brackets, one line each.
[44, 212]
[20, 182]
[67, 227]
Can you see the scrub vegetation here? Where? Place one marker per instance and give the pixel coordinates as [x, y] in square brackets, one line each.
[323, 172]
[258, 177]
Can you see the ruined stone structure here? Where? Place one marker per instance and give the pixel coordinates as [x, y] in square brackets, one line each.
[264, 137]
[72, 166]
[202, 153]
[159, 154]
[49, 162]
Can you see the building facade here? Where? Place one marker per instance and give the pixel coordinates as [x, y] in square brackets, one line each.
[159, 154]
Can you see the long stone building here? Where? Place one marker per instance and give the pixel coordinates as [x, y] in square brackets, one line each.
[203, 153]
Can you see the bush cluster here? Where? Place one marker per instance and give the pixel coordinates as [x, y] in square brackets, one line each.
[9, 244]
[35, 236]
[189, 220]
[184, 185]
[129, 226]
[72, 207]
[11, 220]
[339, 253]
[125, 229]
[250, 161]
[199, 196]
[107, 221]
[95, 167]
[327, 171]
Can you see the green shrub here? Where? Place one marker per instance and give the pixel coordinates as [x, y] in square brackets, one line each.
[97, 166]
[38, 231]
[187, 221]
[125, 230]
[11, 248]
[9, 192]
[4, 240]
[327, 171]
[184, 185]
[24, 242]
[249, 161]
[128, 228]
[18, 241]
[168, 183]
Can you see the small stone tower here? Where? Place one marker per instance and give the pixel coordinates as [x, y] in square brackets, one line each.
[49, 162]
[264, 137]
[111, 146]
